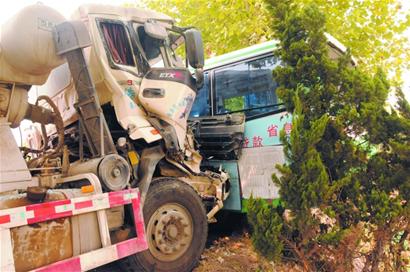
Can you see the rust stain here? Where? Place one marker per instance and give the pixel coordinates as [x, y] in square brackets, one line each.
[41, 244]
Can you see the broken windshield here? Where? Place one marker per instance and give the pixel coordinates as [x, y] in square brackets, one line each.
[117, 41]
[157, 52]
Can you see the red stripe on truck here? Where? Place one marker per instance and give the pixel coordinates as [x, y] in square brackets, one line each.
[83, 204]
[69, 265]
[46, 211]
[130, 247]
[117, 198]
[138, 218]
[5, 219]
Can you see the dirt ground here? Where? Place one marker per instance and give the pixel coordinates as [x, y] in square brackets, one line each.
[229, 249]
[236, 253]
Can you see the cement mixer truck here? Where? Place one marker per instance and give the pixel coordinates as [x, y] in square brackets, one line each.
[112, 171]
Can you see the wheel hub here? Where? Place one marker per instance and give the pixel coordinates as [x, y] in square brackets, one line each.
[170, 232]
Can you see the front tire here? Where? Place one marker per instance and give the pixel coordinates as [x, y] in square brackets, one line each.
[176, 228]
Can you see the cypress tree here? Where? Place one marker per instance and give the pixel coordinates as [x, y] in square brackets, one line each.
[347, 170]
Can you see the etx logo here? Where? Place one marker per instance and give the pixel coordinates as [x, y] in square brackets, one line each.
[167, 75]
[173, 75]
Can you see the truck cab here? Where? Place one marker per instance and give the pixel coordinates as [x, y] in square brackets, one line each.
[120, 97]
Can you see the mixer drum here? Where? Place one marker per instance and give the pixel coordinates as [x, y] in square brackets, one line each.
[27, 52]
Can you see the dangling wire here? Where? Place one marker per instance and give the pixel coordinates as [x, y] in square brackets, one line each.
[59, 123]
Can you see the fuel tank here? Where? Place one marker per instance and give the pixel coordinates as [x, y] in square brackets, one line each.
[39, 244]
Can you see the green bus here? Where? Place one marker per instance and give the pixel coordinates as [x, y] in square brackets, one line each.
[237, 118]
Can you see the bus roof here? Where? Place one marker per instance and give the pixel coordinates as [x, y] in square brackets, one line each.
[264, 48]
[251, 51]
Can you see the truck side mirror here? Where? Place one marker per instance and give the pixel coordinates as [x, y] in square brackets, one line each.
[199, 76]
[194, 48]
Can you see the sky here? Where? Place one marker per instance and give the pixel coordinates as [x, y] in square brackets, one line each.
[66, 8]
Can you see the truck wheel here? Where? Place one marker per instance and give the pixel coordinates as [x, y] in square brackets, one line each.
[176, 228]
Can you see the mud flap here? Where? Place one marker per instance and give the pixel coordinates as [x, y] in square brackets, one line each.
[149, 159]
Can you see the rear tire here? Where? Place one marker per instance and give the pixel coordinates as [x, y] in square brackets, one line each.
[176, 228]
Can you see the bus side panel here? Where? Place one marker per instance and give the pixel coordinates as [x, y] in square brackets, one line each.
[256, 167]
[262, 151]
[233, 202]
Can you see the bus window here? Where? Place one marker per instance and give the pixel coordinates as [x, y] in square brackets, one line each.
[201, 105]
[247, 86]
